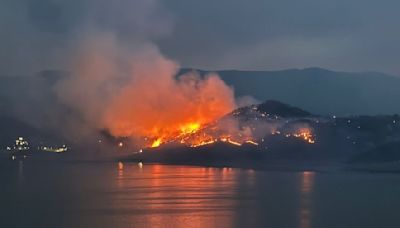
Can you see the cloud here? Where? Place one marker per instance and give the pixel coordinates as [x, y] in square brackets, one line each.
[43, 34]
[39, 34]
[353, 35]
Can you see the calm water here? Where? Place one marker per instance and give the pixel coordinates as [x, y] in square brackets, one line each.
[67, 194]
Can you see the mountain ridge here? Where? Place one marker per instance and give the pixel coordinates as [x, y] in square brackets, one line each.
[318, 90]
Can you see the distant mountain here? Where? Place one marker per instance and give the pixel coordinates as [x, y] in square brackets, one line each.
[319, 90]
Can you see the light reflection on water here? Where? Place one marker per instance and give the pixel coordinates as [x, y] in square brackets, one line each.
[306, 188]
[176, 196]
[120, 194]
[20, 172]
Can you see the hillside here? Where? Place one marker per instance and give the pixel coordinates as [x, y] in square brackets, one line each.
[258, 138]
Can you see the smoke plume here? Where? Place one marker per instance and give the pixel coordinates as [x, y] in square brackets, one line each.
[129, 88]
[117, 80]
[138, 93]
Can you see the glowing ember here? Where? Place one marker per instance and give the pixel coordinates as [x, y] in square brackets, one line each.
[252, 142]
[234, 143]
[306, 134]
[203, 143]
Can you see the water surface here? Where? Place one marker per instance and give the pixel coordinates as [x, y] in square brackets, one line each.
[93, 194]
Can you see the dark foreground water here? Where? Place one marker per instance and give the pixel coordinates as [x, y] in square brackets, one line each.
[79, 194]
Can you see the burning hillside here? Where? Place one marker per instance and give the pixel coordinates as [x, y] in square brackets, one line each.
[250, 136]
[261, 136]
[247, 125]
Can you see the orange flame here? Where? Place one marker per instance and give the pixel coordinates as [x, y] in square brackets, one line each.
[156, 143]
[190, 128]
[306, 135]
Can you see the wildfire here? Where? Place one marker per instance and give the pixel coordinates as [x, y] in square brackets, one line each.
[184, 131]
[305, 134]
[173, 110]
[144, 96]
[194, 135]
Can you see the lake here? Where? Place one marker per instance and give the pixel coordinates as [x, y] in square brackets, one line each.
[111, 194]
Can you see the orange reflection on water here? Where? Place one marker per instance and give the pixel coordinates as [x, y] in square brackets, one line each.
[179, 196]
[188, 195]
[307, 182]
[120, 166]
[306, 188]
[120, 177]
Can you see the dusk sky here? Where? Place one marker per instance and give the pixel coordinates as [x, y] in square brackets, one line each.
[199, 113]
[348, 35]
